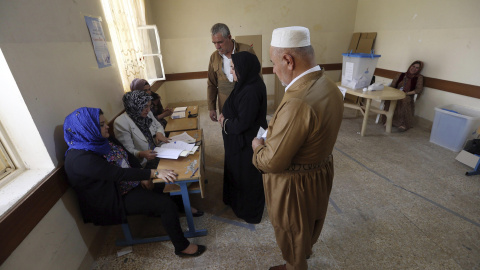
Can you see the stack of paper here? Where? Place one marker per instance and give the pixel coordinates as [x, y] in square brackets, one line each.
[179, 112]
[184, 137]
[173, 150]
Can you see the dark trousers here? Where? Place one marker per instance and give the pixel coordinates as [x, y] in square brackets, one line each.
[155, 202]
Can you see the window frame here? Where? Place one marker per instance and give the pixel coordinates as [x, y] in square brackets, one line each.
[159, 54]
[6, 162]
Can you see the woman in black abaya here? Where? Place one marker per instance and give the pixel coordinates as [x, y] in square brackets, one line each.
[243, 114]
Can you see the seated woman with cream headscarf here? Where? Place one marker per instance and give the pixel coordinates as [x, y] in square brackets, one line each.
[140, 133]
[138, 130]
[110, 183]
[157, 108]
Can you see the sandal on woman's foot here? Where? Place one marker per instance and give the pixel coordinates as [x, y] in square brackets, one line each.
[201, 249]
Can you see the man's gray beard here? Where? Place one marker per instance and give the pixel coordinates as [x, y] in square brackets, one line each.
[284, 84]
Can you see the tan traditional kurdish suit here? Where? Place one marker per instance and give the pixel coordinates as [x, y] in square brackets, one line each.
[298, 164]
[218, 83]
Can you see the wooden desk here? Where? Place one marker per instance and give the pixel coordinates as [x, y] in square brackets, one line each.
[186, 167]
[183, 123]
[388, 93]
[192, 109]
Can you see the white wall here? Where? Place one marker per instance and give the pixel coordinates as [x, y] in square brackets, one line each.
[48, 49]
[442, 33]
[184, 28]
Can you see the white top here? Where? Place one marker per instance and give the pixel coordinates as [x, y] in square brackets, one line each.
[226, 65]
[315, 68]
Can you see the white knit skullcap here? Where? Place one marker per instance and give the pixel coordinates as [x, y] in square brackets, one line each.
[290, 37]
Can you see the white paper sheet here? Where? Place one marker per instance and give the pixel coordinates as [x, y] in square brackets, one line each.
[194, 150]
[260, 133]
[178, 145]
[179, 112]
[264, 136]
[184, 137]
[349, 70]
[177, 115]
[180, 109]
[173, 150]
[167, 152]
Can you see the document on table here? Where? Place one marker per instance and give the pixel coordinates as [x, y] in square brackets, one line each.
[195, 148]
[173, 150]
[167, 152]
[179, 112]
[184, 137]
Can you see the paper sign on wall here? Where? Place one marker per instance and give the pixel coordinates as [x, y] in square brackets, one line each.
[100, 48]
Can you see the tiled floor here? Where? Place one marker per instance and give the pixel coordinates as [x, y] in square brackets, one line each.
[398, 202]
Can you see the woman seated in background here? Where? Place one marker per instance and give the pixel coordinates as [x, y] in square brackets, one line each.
[138, 130]
[110, 183]
[243, 114]
[411, 83]
[157, 109]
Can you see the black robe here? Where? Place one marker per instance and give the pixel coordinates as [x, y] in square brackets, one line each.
[95, 181]
[245, 109]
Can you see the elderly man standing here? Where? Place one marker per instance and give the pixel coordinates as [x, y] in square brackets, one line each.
[220, 81]
[296, 156]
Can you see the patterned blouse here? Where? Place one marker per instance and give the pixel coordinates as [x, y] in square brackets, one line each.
[119, 157]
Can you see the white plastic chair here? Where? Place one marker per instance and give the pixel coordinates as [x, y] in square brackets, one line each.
[382, 105]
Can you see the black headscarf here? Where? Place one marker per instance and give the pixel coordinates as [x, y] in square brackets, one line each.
[247, 69]
[134, 103]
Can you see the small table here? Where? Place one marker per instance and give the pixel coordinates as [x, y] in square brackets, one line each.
[190, 169]
[183, 123]
[388, 93]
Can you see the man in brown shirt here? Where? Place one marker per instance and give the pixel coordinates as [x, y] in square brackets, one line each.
[220, 81]
[296, 156]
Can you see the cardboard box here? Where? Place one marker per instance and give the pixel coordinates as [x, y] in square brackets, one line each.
[255, 41]
[362, 42]
[468, 159]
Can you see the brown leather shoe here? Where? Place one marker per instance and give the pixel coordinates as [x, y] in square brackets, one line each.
[278, 267]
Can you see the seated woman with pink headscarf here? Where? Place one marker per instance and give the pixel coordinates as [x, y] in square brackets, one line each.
[411, 83]
[157, 108]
